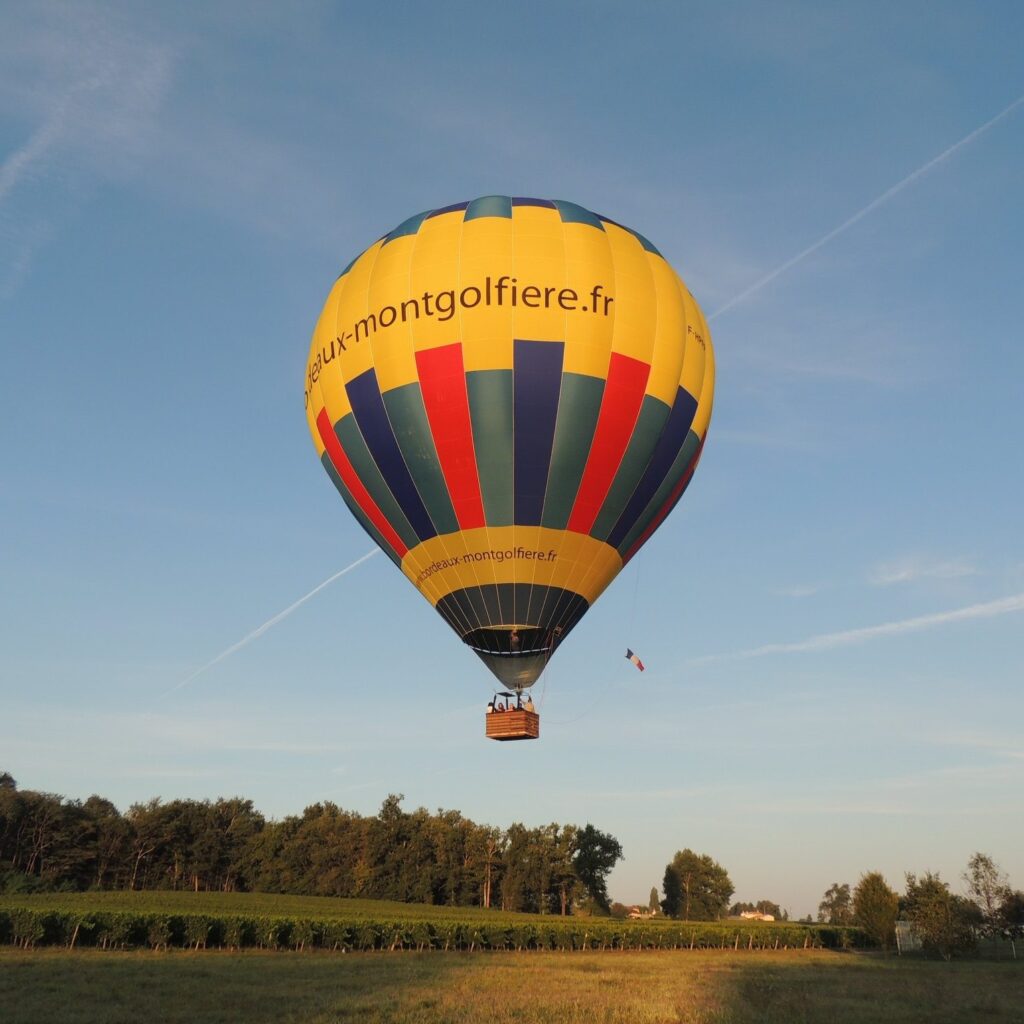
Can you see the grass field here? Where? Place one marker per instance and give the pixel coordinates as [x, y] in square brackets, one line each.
[91, 987]
[254, 903]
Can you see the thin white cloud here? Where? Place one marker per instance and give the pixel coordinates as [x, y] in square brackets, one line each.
[844, 638]
[950, 789]
[875, 203]
[219, 729]
[776, 437]
[916, 567]
[798, 590]
[860, 350]
[1003, 745]
[92, 91]
[269, 624]
[868, 806]
[22, 161]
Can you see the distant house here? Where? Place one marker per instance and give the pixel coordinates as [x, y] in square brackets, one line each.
[756, 915]
[641, 913]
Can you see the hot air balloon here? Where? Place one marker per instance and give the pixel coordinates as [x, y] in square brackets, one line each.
[510, 395]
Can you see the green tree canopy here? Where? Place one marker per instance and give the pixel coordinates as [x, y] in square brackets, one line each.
[696, 887]
[988, 888]
[875, 907]
[1011, 917]
[596, 854]
[943, 921]
[47, 842]
[836, 906]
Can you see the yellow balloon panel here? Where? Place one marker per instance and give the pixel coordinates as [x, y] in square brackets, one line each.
[510, 395]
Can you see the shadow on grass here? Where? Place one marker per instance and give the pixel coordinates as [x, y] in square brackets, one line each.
[177, 987]
[871, 988]
[91, 987]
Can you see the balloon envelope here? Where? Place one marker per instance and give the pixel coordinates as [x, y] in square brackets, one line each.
[510, 395]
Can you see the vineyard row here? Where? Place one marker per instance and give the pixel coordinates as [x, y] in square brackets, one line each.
[29, 927]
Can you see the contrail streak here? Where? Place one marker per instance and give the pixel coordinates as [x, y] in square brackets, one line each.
[19, 162]
[45, 137]
[862, 213]
[826, 641]
[11, 169]
[260, 630]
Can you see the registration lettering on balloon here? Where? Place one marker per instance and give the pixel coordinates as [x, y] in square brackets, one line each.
[444, 304]
[510, 395]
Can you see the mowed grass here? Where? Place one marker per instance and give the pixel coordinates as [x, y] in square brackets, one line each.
[90, 987]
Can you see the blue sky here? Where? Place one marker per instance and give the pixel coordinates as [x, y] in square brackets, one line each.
[178, 189]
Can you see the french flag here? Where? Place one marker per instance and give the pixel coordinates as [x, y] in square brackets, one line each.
[633, 658]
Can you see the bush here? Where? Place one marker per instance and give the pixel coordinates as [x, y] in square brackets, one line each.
[275, 933]
[366, 937]
[197, 931]
[27, 927]
[306, 934]
[944, 922]
[337, 935]
[239, 933]
[160, 932]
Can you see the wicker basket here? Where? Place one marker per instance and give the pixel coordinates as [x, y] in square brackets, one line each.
[513, 725]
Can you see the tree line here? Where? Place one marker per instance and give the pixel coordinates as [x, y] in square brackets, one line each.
[226, 845]
[943, 921]
[698, 888]
[443, 858]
